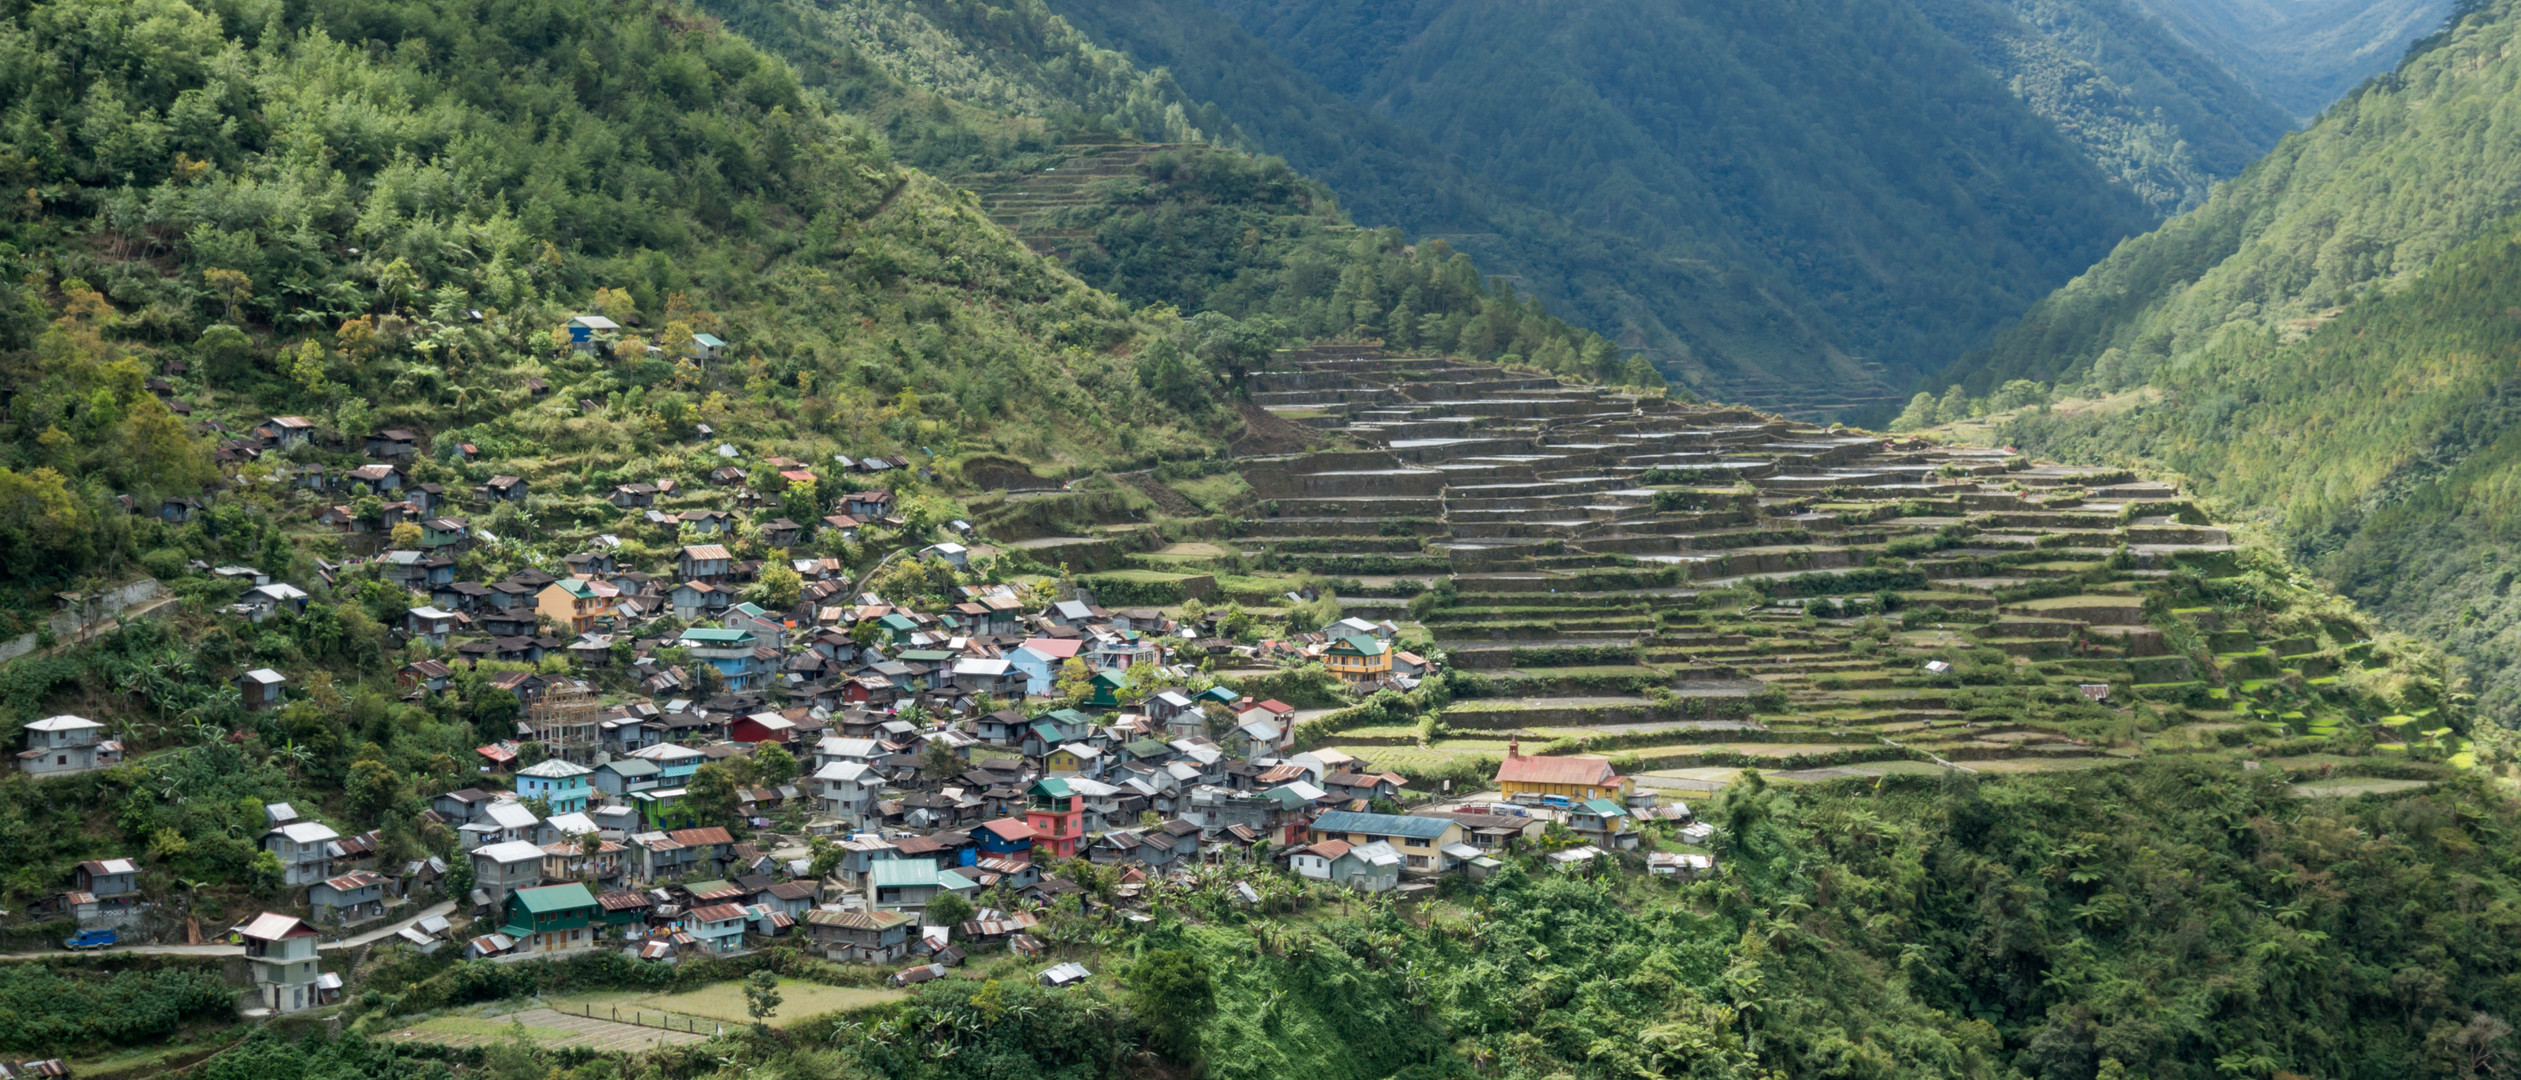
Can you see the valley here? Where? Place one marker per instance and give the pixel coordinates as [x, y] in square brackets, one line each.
[1187, 540]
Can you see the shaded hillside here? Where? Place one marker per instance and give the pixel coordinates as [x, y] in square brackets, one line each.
[2330, 343]
[2153, 113]
[1768, 199]
[2301, 54]
[1199, 228]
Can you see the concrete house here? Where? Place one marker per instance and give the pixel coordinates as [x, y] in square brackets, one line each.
[57, 745]
[578, 605]
[305, 851]
[566, 786]
[861, 936]
[105, 891]
[908, 884]
[624, 775]
[503, 868]
[552, 918]
[719, 927]
[349, 898]
[281, 950]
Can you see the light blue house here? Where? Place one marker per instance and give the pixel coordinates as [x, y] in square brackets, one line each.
[731, 652]
[567, 787]
[675, 763]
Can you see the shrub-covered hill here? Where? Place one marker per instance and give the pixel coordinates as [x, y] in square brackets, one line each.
[382, 215]
[2330, 344]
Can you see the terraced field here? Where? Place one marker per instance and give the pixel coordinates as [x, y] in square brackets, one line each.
[1709, 588]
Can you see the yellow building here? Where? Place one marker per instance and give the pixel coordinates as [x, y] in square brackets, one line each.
[1358, 659]
[577, 604]
[1573, 778]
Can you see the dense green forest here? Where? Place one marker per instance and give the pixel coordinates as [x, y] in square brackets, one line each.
[1196, 227]
[2168, 921]
[2300, 55]
[2329, 343]
[1608, 160]
[2155, 115]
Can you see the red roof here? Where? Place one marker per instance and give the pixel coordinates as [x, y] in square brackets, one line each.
[718, 913]
[1583, 772]
[1055, 648]
[696, 837]
[1275, 707]
[1009, 829]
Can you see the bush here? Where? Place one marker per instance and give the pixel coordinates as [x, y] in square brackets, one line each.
[50, 1008]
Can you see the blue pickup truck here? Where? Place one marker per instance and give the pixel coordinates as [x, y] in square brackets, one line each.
[89, 939]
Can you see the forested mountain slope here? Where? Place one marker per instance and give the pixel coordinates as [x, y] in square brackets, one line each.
[2331, 343]
[2301, 54]
[1086, 157]
[1765, 197]
[2153, 113]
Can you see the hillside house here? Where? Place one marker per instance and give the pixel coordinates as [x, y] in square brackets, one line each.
[909, 884]
[1359, 658]
[584, 330]
[735, 653]
[281, 951]
[566, 786]
[286, 432]
[1604, 823]
[867, 505]
[704, 562]
[705, 348]
[1056, 814]
[348, 899]
[861, 936]
[379, 480]
[394, 444]
[105, 891]
[699, 600]
[1419, 840]
[1531, 778]
[502, 868]
[552, 918]
[441, 533]
[305, 850]
[1040, 659]
[624, 775]
[718, 927]
[578, 605]
[430, 624]
[1372, 868]
[59, 745]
